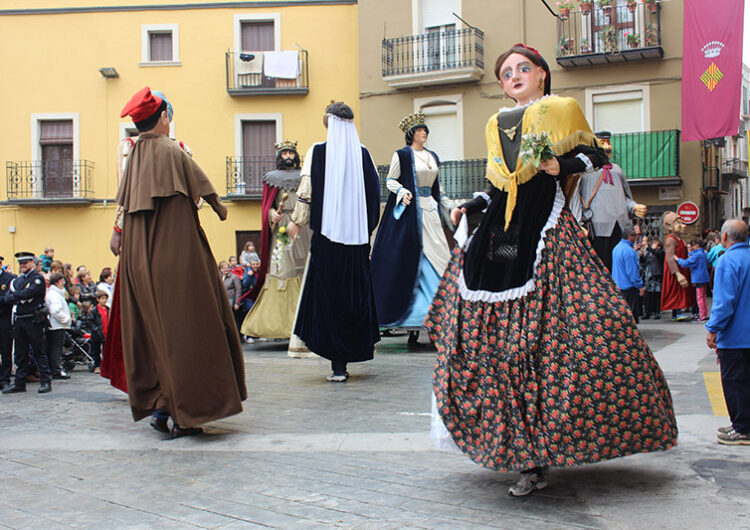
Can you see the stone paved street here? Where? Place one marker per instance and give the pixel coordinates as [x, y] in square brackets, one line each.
[306, 453]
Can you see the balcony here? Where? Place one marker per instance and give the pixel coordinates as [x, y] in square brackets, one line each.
[51, 181]
[436, 58]
[458, 178]
[734, 168]
[618, 34]
[247, 73]
[648, 158]
[245, 176]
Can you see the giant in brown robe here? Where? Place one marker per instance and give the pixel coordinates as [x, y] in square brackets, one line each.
[180, 344]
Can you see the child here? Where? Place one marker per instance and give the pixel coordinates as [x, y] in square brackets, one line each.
[698, 265]
[74, 293]
[249, 255]
[102, 299]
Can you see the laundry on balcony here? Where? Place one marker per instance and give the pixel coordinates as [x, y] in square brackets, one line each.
[249, 71]
[282, 65]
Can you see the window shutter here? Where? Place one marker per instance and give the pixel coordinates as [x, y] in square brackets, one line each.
[161, 46]
[258, 36]
[437, 13]
[56, 132]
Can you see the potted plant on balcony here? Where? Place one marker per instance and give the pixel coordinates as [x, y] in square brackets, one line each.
[609, 39]
[652, 35]
[585, 46]
[566, 46]
[632, 5]
[606, 7]
[653, 5]
[634, 40]
[564, 6]
[586, 6]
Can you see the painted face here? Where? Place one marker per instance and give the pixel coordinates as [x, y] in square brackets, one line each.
[678, 227]
[606, 146]
[420, 135]
[521, 79]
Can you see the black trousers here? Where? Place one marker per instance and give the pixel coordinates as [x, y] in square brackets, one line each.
[55, 341]
[632, 298]
[735, 379]
[29, 339]
[653, 303]
[338, 367]
[605, 245]
[6, 349]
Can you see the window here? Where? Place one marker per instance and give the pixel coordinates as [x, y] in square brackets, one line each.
[255, 34]
[255, 154]
[54, 155]
[160, 45]
[620, 109]
[444, 118]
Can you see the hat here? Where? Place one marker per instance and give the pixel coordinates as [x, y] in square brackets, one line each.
[144, 108]
[604, 135]
[412, 120]
[24, 256]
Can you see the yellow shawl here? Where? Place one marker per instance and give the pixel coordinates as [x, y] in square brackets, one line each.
[567, 127]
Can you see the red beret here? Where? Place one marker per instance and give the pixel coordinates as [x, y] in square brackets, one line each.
[142, 105]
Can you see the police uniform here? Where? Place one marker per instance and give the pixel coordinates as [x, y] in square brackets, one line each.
[27, 293]
[6, 329]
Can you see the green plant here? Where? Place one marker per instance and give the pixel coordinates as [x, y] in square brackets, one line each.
[652, 35]
[566, 46]
[609, 39]
[585, 44]
[633, 38]
[566, 4]
[604, 3]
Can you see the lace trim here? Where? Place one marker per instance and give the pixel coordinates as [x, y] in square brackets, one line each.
[521, 291]
[586, 160]
[509, 109]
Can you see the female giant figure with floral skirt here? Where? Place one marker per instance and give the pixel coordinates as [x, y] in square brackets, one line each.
[540, 362]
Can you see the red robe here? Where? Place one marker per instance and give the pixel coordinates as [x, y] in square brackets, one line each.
[673, 295]
[113, 366]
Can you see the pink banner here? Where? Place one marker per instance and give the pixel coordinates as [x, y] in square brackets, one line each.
[711, 68]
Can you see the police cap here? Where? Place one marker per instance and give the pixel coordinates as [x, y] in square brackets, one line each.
[24, 256]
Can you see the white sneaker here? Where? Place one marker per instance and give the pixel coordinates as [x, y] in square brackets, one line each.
[527, 483]
[333, 378]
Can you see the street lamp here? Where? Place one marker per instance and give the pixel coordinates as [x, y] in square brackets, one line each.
[108, 72]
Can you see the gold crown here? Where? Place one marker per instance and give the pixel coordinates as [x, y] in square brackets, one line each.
[286, 144]
[412, 120]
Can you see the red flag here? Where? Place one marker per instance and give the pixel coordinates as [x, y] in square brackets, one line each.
[711, 68]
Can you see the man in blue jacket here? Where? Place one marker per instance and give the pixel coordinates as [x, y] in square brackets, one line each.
[626, 270]
[727, 330]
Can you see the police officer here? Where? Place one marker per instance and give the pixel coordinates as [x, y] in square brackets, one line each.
[6, 328]
[27, 293]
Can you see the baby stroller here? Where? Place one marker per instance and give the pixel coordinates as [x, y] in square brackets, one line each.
[79, 351]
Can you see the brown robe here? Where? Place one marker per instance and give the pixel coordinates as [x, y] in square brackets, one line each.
[180, 344]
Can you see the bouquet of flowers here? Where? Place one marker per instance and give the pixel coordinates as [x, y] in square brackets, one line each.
[536, 147]
[283, 242]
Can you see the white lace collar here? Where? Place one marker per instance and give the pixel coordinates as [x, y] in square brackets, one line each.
[511, 109]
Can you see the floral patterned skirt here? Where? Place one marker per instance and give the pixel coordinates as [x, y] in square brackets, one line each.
[559, 377]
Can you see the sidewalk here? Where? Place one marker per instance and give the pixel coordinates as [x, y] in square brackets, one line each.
[306, 453]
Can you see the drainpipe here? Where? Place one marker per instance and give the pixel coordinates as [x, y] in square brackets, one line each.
[522, 19]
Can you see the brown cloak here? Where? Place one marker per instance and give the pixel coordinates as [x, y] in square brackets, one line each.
[180, 344]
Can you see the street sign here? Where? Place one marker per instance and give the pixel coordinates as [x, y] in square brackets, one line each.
[689, 212]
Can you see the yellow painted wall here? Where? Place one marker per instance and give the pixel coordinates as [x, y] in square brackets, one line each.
[52, 67]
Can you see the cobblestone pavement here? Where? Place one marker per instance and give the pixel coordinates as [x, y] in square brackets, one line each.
[306, 453]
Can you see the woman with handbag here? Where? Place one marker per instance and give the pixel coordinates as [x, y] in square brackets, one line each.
[540, 362]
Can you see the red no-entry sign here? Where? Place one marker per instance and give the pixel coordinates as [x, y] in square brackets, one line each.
[689, 212]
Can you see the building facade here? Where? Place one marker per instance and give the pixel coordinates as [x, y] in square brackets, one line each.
[623, 66]
[240, 75]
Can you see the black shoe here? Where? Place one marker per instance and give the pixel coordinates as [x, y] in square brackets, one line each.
[179, 432]
[44, 387]
[159, 424]
[4, 385]
[645, 317]
[657, 317]
[61, 375]
[14, 389]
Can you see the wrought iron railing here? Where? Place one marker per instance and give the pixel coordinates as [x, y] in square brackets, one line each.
[430, 52]
[644, 155]
[245, 174]
[49, 179]
[611, 29]
[458, 178]
[246, 75]
[734, 167]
